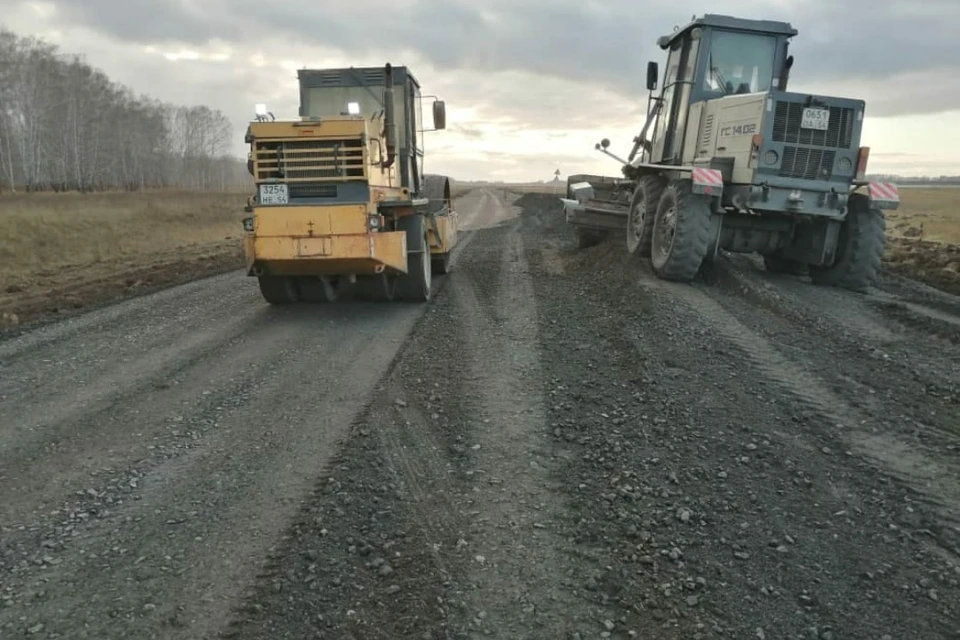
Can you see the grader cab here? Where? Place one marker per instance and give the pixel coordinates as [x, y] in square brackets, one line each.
[737, 162]
[341, 199]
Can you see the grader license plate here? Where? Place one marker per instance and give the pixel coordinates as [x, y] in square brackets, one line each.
[818, 119]
[274, 194]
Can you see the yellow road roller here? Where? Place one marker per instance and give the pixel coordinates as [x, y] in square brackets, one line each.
[341, 200]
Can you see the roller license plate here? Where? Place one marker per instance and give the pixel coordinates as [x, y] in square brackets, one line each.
[274, 194]
[818, 119]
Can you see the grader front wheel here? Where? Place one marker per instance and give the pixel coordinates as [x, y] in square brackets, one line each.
[681, 233]
[643, 209]
[860, 248]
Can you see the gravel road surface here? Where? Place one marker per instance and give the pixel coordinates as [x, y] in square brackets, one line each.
[559, 445]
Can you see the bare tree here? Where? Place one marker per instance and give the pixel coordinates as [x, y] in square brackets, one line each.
[66, 126]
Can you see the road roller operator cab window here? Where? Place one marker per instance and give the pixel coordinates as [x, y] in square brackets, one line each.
[335, 101]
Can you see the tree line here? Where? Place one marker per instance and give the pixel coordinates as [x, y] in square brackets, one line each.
[65, 126]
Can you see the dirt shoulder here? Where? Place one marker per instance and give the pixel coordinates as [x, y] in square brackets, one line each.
[65, 253]
[569, 448]
[934, 263]
[68, 291]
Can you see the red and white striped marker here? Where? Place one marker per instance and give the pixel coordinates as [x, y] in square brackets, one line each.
[884, 192]
[707, 177]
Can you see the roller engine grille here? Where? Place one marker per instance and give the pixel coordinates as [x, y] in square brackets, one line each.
[300, 160]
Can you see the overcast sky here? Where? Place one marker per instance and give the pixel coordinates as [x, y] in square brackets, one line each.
[530, 85]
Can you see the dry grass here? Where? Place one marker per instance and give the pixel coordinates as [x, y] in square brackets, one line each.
[44, 233]
[927, 213]
[63, 253]
[924, 237]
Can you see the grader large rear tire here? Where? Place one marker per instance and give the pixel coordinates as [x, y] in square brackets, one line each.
[860, 248]
[278, 289]
[681, 233]
[643, 210]
[416, 285]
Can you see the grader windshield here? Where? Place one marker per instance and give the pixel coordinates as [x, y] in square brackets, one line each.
[739, 63]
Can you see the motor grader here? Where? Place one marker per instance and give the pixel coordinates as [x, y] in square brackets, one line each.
[736, 162]
[341, 201]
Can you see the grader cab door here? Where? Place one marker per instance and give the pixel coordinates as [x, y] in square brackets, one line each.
[677, 84]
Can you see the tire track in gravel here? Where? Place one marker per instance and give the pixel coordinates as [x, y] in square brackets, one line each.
[129, 434]
[927, 472]
[920, 385]
[53, 374]
[882, 319]
[191, 465]
[518, 516]
[72, 427]
[705, 488]
[135, 324]
[442, 518]
[825, 308]
[198, 521]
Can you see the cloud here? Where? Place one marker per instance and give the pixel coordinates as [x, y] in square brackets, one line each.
[530, 79]
[606, 42]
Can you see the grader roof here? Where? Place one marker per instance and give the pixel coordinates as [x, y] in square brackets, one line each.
[729, 22]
